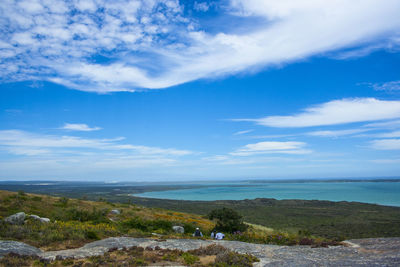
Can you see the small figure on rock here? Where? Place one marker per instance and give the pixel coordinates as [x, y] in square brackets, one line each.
[219, 236]
[213, 233]
[198, 233]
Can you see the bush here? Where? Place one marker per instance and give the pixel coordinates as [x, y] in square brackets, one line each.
[95, 215]
[230, 258]
[189, 258]
[148, 225]
[228, 220]
[92, 235]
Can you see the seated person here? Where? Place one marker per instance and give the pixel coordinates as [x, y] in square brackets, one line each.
[219, 236]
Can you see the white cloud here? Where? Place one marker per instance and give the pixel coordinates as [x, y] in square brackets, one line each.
[388, 86]
[79, 127]
[386, 161]
[266, 147]
[243, 132]
[336, 112]
[201, 6]
[386, 144]
[25, 143]
[150, 44]
[336, 133]
[393, 134]
[385, 124]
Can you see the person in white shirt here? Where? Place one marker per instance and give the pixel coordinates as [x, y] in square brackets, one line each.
[219, 236]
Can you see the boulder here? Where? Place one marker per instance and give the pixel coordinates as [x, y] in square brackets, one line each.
[17, 218]
[35, 217]
[19, 248]
[43, 220]
[178, 229]
[116, 212]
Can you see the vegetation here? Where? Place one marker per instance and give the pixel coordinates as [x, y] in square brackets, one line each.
[75, 222]
[137, 256]
[228, 220]
[325, 219]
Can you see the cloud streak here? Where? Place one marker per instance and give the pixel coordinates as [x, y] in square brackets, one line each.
[268, 147]
[386, 144]
[25, 143]
[334, 113]
[104, 46]
[79, 127]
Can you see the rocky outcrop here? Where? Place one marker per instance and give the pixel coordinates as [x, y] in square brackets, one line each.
[178, 229]
[17, 218]
[362, 252]
[20, 248]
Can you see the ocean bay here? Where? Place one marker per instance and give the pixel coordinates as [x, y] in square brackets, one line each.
[374, 192]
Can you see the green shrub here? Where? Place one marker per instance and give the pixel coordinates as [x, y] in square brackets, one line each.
[189, 258]
[36, 198]
[92, 235]
[228, 220]
[96, 216]
[148, 225]
[230, 258]
[63, 202]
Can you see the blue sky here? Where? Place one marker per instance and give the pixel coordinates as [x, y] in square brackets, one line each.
[187, 90]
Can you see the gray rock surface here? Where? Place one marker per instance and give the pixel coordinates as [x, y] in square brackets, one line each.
[116, 212]
[178, 229]
[44, 220]
[17, 218]
[20, 248]
[362, 252]
[41, 219]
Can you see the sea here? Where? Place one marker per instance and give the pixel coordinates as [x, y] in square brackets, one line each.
[375, 192]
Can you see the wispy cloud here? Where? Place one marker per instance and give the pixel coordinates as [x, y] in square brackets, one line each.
[337, 133]
[267, 147]
[335, 112]
[386, 161]
[386, 124]
[386, 144]
[393, 134]
[387, 86]
[79, 127]
[25, 143]
[105, 46]
[243, 132]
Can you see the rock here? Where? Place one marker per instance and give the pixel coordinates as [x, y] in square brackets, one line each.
[116, 212]
[41, 219]
[368, 252]
[17, 218]
[45, 220]
[19, 248]
[178, 229]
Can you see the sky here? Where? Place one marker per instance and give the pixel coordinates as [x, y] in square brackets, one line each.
[168, 90]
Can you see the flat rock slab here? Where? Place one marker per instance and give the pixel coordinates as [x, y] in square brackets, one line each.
[363, 252]
[20, 248]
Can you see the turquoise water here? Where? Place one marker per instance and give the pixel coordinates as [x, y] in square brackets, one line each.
[384, 193]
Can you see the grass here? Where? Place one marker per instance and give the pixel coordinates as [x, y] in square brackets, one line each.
[75, 222]
[325, 219]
